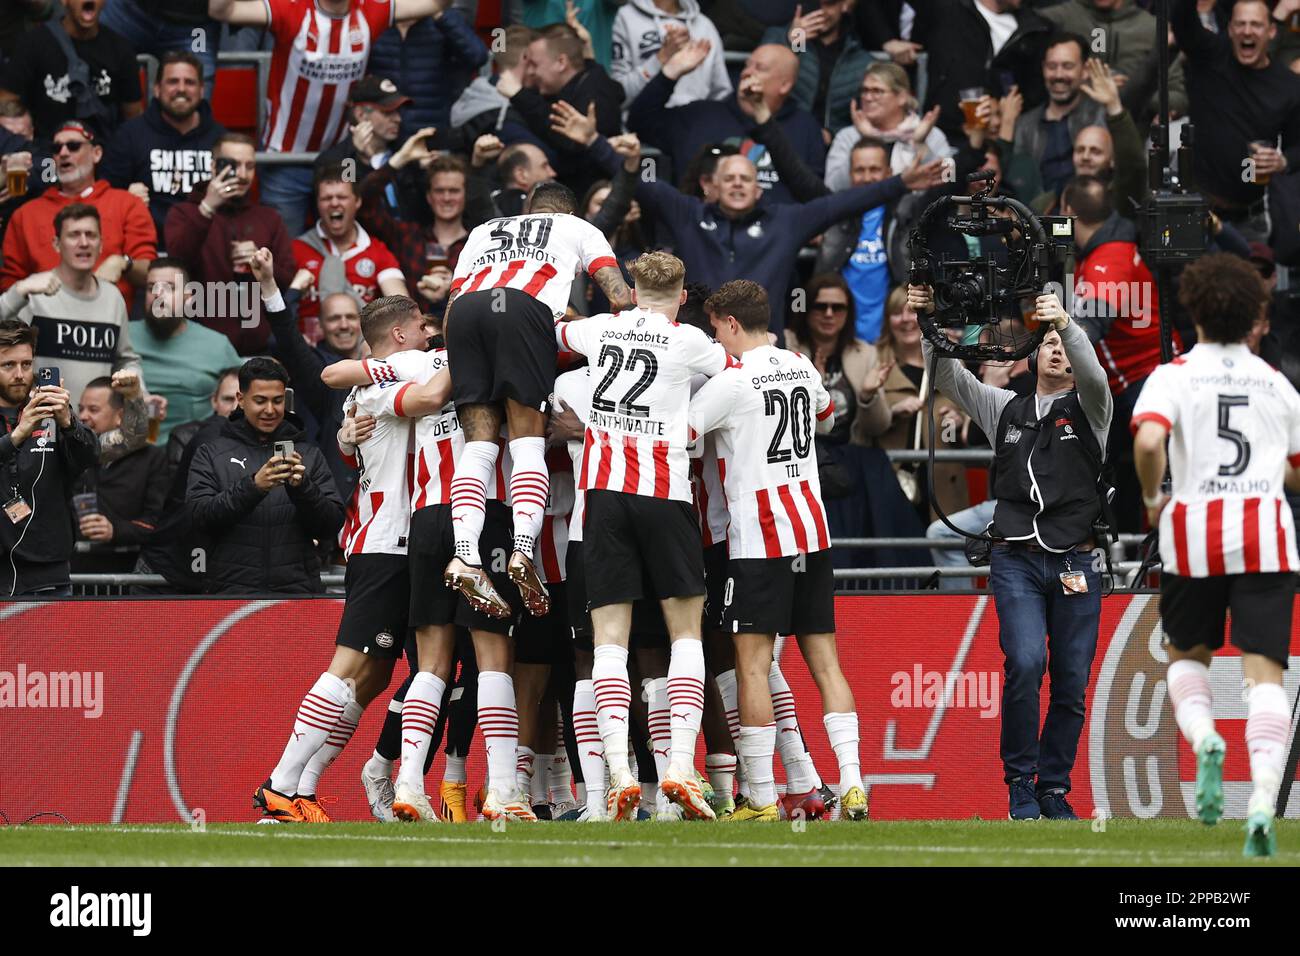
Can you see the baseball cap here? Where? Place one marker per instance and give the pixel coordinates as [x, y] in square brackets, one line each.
[378, 92]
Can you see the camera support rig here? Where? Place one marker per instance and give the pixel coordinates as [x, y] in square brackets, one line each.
[977, 294]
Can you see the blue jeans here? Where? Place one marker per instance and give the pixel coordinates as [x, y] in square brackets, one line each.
[150, 35]
[287, 190]
[973, 519]
[1043, 629]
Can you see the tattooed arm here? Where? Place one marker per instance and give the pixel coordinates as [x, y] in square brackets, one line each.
[610, 280]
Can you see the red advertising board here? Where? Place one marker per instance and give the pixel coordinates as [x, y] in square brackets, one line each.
[144, 711]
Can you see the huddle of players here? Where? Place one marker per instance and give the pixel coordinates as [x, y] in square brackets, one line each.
[445, 494]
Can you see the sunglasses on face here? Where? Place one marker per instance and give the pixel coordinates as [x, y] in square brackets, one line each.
[835, 308]
[72, 146]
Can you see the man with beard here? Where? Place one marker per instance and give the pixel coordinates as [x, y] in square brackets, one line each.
[44, 448]
[215, 232]
[163, 154]
[1047, 132]
[128, 239]
[182, 360]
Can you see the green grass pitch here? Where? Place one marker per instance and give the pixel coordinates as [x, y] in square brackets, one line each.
[894, 843]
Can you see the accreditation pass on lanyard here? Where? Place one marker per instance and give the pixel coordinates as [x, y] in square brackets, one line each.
[16, 508]
[1072, 581]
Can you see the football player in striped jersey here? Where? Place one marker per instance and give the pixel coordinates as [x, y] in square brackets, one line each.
[780, 579]
[510, 286]
[640, 531]
[1227, 538]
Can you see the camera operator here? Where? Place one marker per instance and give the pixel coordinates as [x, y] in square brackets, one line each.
[1048, 448]
[43, 450]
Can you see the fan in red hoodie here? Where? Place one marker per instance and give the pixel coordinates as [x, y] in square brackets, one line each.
[1115, 302]
[129, 238]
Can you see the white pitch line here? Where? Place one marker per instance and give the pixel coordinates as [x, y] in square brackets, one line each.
[596, 843]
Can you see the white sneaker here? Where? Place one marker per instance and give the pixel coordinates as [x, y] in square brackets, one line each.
[379, 794]
[560, 809]
[512, 807]
[593, 813]
[413, 805]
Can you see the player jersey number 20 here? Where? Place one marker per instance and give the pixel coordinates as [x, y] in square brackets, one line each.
[793, 416]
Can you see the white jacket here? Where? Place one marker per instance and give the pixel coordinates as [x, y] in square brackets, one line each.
[638, 35]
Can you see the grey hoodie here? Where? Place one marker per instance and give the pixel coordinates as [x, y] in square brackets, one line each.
[479, 97]
[638, 35]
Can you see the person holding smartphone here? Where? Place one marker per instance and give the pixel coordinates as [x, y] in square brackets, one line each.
[216, 230]
[42, 451]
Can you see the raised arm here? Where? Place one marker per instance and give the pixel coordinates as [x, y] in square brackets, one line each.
[983, 403]
[240, 13]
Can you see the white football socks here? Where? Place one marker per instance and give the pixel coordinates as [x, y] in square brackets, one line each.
[685, 702]
[842, 729]
[499, 721]
[591, 746]
[469, 496]
[613, 693]
[309, 780]
[756, 751]
[1189, 691]
[1268, 728]
[419, 715]
[529, 489]
[319, 711]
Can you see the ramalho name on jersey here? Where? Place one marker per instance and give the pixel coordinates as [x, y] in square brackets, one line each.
[379, 515]
[637, 433]
[439, 439]
[764, 413]
[539, 253]
[1235, 424]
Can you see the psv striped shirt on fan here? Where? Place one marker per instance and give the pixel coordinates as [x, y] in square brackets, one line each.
[1235, 424]
[637, 433]
[314, 62]
[765, 412]
[379, 515]
[539, 253]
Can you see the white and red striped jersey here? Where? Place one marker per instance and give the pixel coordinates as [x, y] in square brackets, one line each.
[765, 412]
[642, 364]
[315, 60]
[539, 253]
[438, 437]
[553, 543]
[1235, 424]
[710, 493]
[379, 515]
[573, 391]
[366, 263]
